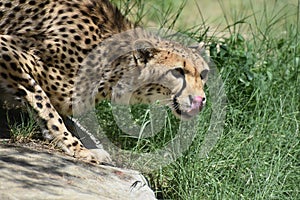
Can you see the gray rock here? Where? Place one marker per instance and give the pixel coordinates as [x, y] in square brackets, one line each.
[39, 173]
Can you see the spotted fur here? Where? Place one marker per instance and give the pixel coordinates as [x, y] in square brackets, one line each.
[55, 54]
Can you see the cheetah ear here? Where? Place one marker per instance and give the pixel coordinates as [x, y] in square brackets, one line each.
[143, 51]
[199, 48]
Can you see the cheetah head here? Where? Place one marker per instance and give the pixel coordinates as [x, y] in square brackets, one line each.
[167, 73]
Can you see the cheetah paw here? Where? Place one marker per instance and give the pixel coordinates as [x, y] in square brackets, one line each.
[97, 156]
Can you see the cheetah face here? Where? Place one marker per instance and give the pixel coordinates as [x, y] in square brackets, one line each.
[190, 98]
[178, 80]
[158, 71]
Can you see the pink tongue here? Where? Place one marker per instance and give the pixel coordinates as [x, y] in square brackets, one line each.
[196, 105]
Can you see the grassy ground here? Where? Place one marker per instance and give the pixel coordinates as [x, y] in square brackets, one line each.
[257, 156]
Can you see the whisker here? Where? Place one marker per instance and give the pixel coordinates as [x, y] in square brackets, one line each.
[163, 100]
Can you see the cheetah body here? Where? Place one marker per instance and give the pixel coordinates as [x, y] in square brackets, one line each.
[61, 56]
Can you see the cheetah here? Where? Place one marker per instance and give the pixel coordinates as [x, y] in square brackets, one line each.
[59, 56]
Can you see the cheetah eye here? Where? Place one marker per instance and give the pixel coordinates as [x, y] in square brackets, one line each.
[203, 74]
[177, 72]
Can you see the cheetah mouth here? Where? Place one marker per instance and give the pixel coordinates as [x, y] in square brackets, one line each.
[189, 113]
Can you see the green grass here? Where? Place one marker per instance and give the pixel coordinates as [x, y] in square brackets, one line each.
[25, 129]
[257, 156]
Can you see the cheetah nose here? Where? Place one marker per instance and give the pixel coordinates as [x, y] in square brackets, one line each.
[199, 100]
[197, 104]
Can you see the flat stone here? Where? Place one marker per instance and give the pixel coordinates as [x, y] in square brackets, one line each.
[38, 173]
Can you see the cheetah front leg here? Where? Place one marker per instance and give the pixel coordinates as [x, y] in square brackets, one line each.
[54, 123]
[19, 83]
